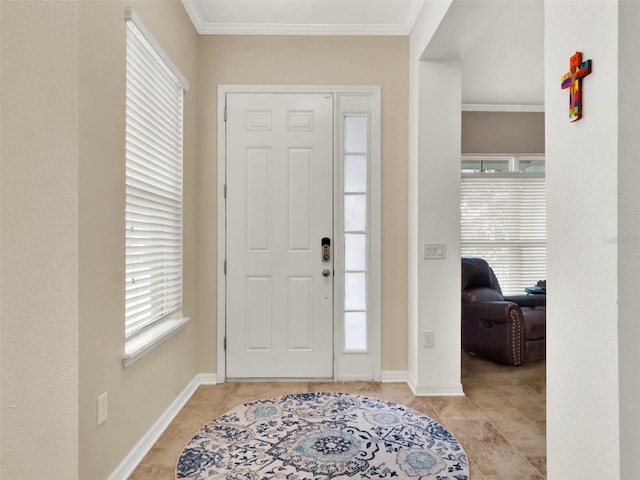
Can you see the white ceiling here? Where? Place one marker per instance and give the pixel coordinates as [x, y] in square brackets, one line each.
[500, 43]
[303, 17]
[505, 65]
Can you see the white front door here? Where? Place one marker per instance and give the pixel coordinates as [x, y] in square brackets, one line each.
[279, 165]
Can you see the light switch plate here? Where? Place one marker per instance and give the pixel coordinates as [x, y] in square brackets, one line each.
[435, 251]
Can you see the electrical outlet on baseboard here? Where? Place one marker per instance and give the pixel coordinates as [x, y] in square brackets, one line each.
[103, 408]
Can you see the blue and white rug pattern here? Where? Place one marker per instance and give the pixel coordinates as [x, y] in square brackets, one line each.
[313, 436]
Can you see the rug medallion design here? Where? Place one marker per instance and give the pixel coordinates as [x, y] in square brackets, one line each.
[311, 436]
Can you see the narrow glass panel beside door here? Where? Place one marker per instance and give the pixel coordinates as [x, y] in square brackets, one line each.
[355, 252]
[355, 156]
[355, 296]
[355, 174]
[355, 213]
[355, 134]
[355, 326]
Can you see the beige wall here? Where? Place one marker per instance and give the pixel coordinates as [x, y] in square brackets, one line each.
[62, 217]
[139, 394]
[38, 251]
[265, 60]
[502, 132]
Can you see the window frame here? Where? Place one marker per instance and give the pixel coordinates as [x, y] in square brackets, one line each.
[513, 162]
[158, 169]
[364, 152]
[359, 364]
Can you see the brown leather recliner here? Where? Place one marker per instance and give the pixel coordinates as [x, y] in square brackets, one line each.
[509, 329]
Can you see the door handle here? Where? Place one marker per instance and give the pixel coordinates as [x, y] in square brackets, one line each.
[326, 272]
[326, 249]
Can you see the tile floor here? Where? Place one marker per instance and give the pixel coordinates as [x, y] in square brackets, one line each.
[501, 422]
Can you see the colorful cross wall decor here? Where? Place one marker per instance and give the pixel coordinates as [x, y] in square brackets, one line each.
[572, 80]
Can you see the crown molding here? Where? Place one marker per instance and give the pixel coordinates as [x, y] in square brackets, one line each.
[194, 14]
[299, 29]
[473, 107]
[415, 7]
[213, 28]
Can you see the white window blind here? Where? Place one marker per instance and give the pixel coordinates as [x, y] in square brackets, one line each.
[154, 122]
[503, 220]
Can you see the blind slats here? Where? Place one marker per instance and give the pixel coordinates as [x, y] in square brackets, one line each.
[139, 162]
[153, 265]
[503, 220]
[152, 141]
[147, 288]
[153, 189]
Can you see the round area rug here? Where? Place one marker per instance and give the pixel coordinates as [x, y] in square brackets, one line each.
[312, 436]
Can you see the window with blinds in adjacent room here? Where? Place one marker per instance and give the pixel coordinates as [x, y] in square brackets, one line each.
[503, 218]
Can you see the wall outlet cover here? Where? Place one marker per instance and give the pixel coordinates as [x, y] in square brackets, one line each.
[429, 339]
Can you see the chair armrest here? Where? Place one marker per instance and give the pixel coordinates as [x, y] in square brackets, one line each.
[494, 330]
[496, 312]
[528, 300]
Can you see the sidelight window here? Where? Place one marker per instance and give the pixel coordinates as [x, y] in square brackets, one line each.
[355, 151]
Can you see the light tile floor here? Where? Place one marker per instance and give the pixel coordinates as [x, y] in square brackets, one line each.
[501, 422]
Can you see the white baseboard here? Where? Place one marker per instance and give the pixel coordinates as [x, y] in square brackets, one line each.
[135, 456]
[207, 379]
[386, 376]
[412, 382]
[436, 389]
[394, 376]
[355, 378]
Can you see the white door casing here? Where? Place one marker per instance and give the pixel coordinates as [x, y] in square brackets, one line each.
[279, 207]
[347, 101]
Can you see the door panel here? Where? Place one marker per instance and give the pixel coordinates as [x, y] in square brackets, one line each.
[300, 313]
[279, 207]
[300, 199]
[258, 313]
[258, 209]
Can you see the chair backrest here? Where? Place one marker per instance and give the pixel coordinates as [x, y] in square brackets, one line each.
[477, 273]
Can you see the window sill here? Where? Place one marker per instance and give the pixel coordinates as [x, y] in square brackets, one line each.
[139, 345]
